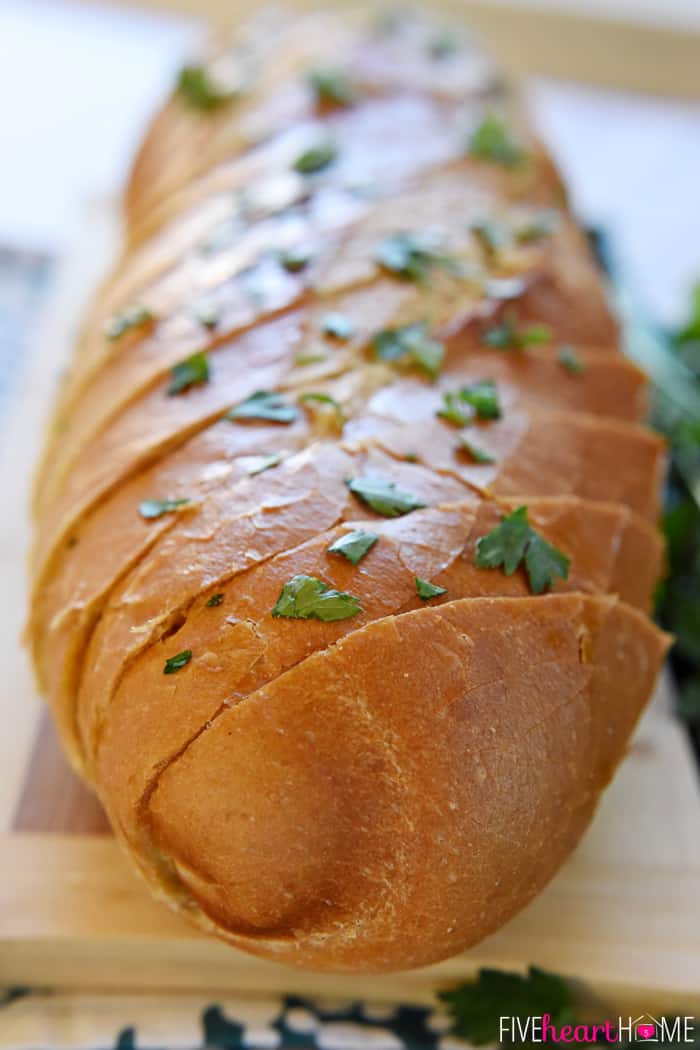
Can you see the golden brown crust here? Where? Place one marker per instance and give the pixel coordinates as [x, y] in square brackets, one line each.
[378, 791]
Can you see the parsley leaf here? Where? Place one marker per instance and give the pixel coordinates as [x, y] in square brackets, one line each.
[478, 454]
[477, 1006]
[305, 598]
[338, 326]
[320, 398]
[411, 344]
[216, 599]
[481, 398]
[155, 508]
[331, 87]
[383, 496]
[354, 545]
[207, 313]
[264, 405]
[514, 541]
[175, 663]
[543, 563]
[570, 360]
[295, 259]
[190, 372]
[316, 158]
[200, 91]
[507, 335]
[427, 590]
[493, 141]
[132, 317]
[411, 256]
[257, 464]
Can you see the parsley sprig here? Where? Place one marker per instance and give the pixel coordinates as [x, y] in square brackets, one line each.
[477, 1006]
[514, 542]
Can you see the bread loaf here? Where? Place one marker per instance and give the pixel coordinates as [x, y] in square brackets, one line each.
[346, 522]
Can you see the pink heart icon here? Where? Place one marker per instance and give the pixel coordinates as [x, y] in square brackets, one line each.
[646, 1031]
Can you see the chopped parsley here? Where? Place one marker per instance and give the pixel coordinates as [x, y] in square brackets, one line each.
[295, 259]
[316, 158]
[190, 372]
[175, 663]
[216, 599]
[478, 454]
[331, 87]
[200, 91]
[493, 235]
[129, 319]
[257, 464]
[354, 545]
[338, 326]
[309, 357]
[480, 398]
[384, 496]
[411, 344]
[156, 508]
[533, 227]
[443, 45]
[508, 336]
[320, 398]
[478, 1006]
[411, 256]
[513, 542]
[306, 598]
[264, 405]
[207, 313]
[427, 590]
[571, 361]
[493, 141]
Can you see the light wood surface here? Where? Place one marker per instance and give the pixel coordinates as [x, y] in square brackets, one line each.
[622, 916]
[650, 46]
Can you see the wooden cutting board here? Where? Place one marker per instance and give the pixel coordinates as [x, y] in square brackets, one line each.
[623, 915]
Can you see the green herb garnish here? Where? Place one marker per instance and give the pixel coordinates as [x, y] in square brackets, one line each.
[155, 508]
[481, 397]
[514, 541]
[321, 398]
[338, 326]
[354, 545]
[264, 405]
[257, 464]
[383, 496]
[507, 335]
[478, 454]
[478, 1006]
[493, 235]
[427, 590]
[411, 256]
[316, 158]
[129, 319]
[532, 228]
[216, 599]
[306, 598]
[332, 87]
[207, 313]
[443, 45]
[200, 91]
[175, 663]
[493, 141]
[309, 358]
[190, 372]
[571, 361]
[295, 259]
[411, 344]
